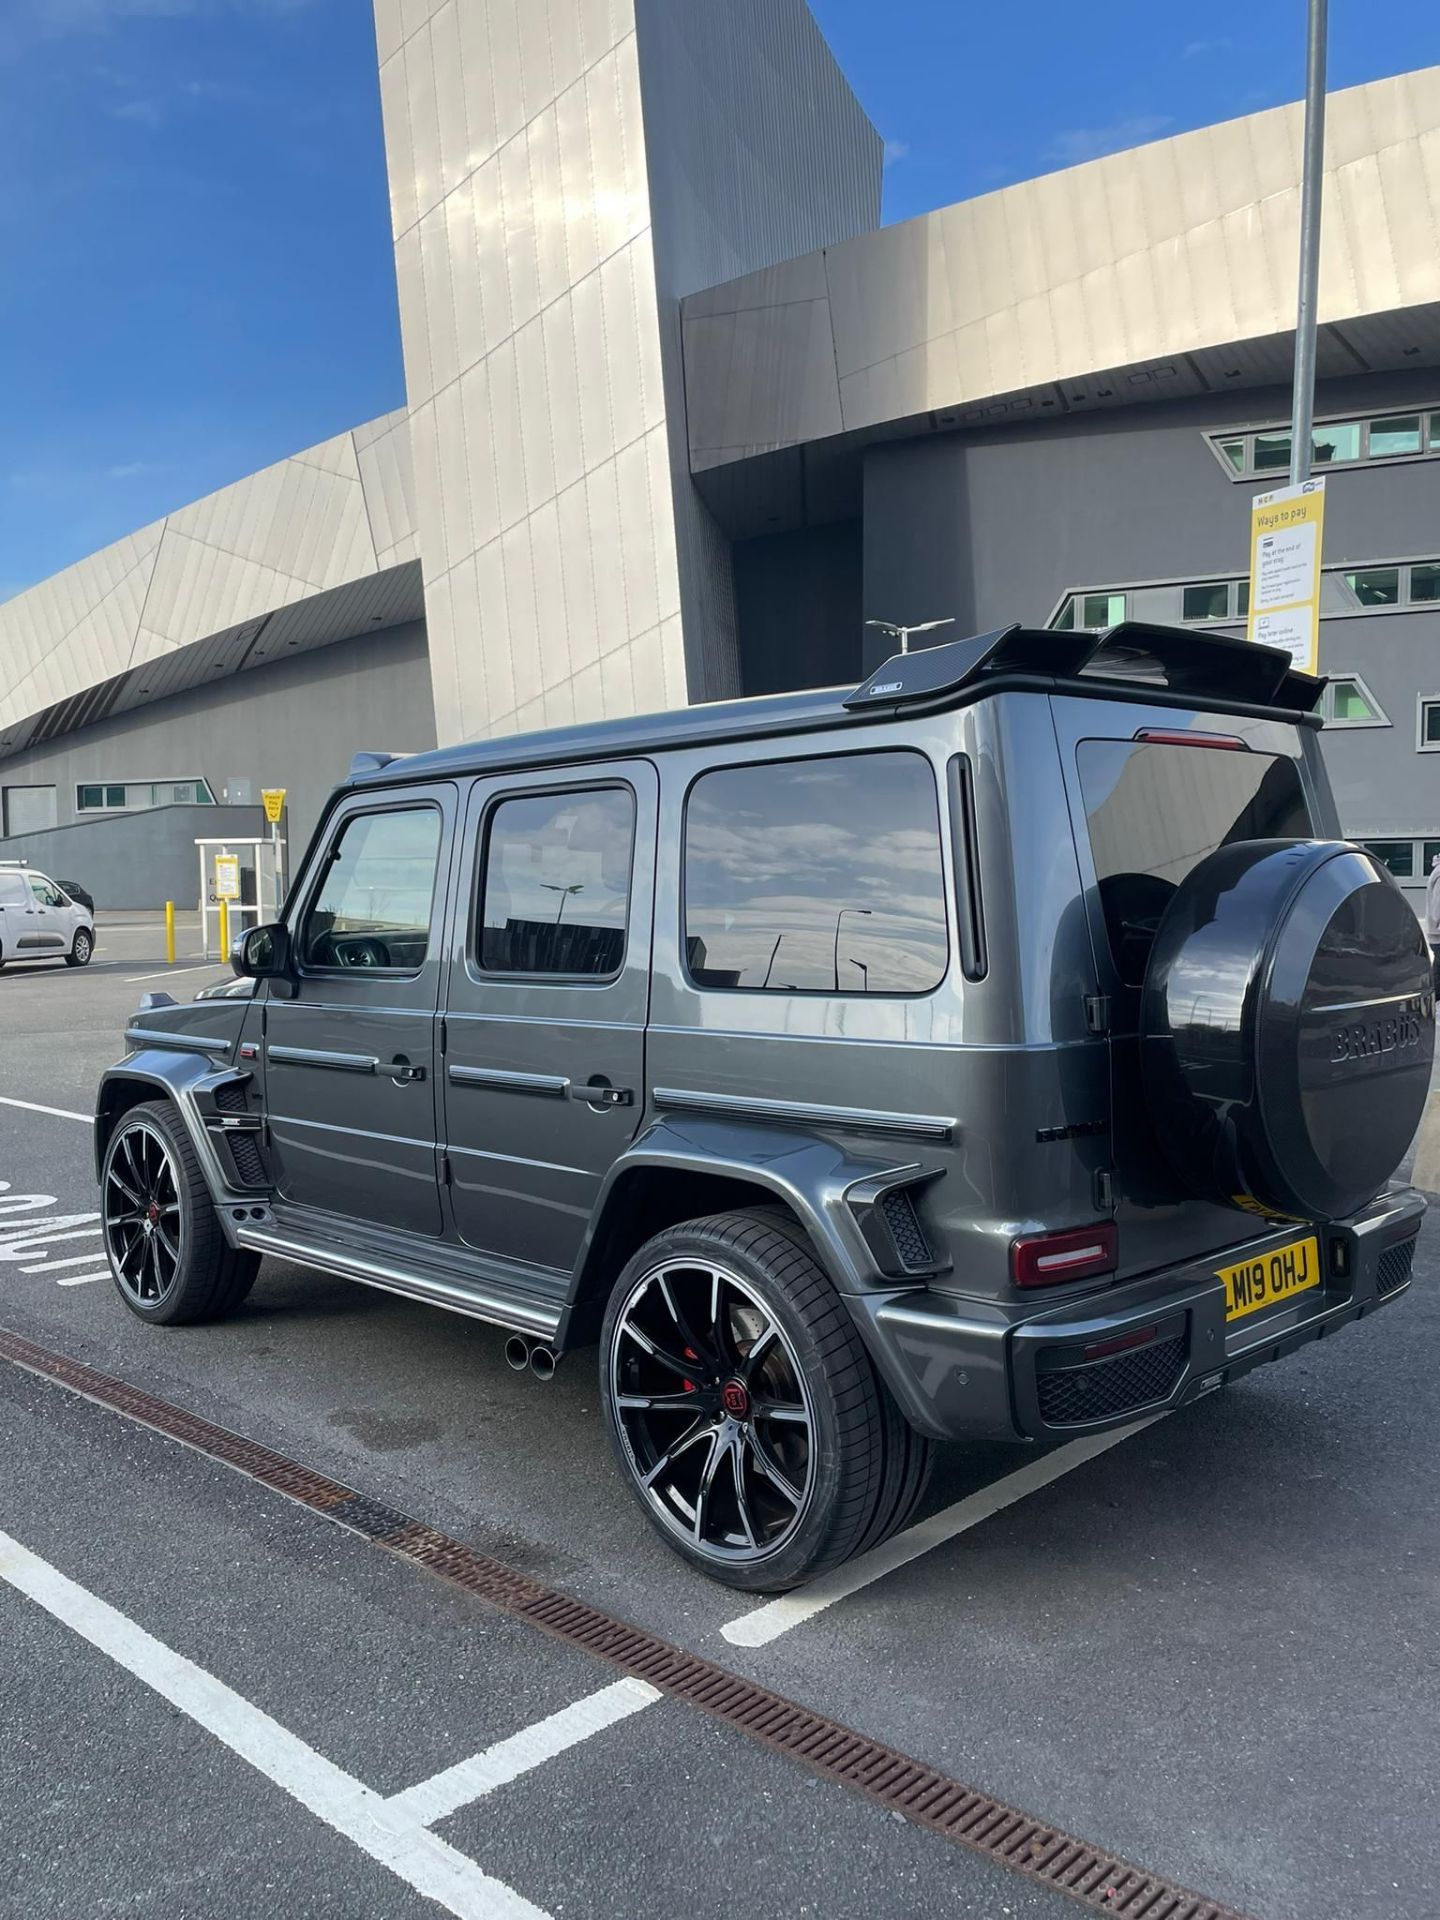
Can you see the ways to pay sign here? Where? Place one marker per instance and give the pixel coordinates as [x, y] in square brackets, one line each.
[227, 876]
[1285, 538]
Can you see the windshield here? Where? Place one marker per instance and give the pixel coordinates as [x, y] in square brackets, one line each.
[1156, 810]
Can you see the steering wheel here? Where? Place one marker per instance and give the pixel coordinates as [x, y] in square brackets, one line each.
[364, 952]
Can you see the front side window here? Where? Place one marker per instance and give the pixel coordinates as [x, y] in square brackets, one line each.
[1155, 811]
[373, 904]
[46, 891]
[816, 876]
[555, 892]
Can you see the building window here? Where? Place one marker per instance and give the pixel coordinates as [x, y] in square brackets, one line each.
[816, 876]
[1375, 586]
[555, 895]
[1425, 580]
[1348, 702]
[1354, 442]
[1427, 729]
[1397, 855]
[1209, 601]
[1399, 435]
[131, 795]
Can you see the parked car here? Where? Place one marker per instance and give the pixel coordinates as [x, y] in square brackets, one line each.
[78, 894]
[40, 920]
[1005, 1049]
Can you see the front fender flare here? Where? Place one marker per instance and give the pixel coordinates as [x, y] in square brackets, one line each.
[180, 1078]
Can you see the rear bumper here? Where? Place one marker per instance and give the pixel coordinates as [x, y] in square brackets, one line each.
[1003, 1370]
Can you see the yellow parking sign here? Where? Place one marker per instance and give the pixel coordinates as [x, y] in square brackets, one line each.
[227, 876]
[274, 801]
[1286, 527]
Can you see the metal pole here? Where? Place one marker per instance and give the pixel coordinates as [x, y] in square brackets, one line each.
[169, 933]
[1302, 414]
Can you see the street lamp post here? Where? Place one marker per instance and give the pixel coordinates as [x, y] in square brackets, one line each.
[902, 634]
[1312, 181]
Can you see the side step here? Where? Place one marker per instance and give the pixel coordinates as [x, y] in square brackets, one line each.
[371, 1270]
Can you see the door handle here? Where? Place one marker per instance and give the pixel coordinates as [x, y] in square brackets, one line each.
[403, 1074]
[599, 1093]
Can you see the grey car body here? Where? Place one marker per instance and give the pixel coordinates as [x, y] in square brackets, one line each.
[504, 1143]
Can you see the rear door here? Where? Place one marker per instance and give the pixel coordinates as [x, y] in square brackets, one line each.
[350, 1056]
[1153, 791]
[17, 912]
[546, 1003]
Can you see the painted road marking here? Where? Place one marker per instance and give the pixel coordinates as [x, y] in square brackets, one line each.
[83, 1279]
[380, 1828]
[23, 1234]
[60, 1113]
[765, 1623]
[169, 973]
[75, 1260]
[445, 1793]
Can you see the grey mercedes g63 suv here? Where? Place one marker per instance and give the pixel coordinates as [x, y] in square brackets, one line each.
[1007, 1048]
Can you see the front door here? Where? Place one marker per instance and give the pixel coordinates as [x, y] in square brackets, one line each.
[350, 1059]
[547, 1002]
[49, 926]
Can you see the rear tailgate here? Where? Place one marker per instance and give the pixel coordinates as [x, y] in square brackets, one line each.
[1150, 797]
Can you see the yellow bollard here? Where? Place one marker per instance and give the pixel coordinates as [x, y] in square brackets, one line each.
[169, 933]
[224, 929]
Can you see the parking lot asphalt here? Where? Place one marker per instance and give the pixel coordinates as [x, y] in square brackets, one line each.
[1210, 1647]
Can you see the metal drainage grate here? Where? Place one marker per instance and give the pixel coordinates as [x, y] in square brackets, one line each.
[1072, 1395]
[1393, 1268]
[1099, 1880]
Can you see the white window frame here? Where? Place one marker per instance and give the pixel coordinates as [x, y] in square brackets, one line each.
[1422, 745]
[1428, 412]
[140, 780]
[1341, 726]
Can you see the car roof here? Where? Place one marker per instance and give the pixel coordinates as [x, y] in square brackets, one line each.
[1163, 666]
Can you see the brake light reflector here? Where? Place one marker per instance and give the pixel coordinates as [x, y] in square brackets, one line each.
[1228, 742]
[1077, 1253]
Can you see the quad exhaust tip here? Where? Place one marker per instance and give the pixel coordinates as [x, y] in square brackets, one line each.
[521, 1354]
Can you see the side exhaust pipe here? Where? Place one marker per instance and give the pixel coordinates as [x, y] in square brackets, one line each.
[521, 1353]
[517, 1353]
[543, 1362]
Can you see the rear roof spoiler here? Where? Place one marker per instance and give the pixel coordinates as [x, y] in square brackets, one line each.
[1197, 665]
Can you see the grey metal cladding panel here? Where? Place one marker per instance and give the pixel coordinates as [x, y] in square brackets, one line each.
[754, 378]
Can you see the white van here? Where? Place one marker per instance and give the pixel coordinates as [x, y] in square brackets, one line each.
[39, 920]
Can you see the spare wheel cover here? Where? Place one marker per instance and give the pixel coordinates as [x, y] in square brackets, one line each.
[1288, 1028]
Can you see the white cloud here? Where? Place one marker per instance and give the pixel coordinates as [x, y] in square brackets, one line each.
[896, 151]
[129, 470]
[1194, 49]
[1076, 144]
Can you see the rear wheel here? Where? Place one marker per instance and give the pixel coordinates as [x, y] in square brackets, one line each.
[744, 1409]
[168, 1257]
[81, 948]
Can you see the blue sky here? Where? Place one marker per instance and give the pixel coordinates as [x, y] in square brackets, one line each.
[195, 266]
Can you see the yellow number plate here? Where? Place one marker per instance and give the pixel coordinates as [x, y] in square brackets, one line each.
[1271, 1277]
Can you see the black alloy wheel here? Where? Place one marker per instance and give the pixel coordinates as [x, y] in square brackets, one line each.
[714, 1409]
[143, 1228]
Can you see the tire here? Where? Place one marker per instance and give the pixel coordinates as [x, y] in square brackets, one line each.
[81, 948]
[774, 1404]
[168, 1257]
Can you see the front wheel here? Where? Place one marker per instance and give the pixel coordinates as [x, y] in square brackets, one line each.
[744, 1409]
[168, 1257]
[81, 948]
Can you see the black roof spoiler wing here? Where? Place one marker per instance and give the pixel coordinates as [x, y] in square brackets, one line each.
[1177, 659]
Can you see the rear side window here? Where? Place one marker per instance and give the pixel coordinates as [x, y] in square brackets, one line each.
[556, 885]
[373, 904]
[1155, 811]
[816, 876]
[13, 891]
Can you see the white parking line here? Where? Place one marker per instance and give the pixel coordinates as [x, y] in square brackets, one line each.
[376, 1825]
[445, 1793]
[75, 1260]
[762, 1624]
[60, 1113]
[134, 979]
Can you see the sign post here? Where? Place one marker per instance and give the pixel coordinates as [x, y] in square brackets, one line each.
[273, 799]
[1286, 527]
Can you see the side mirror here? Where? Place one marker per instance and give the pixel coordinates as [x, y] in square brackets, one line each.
[262, 953]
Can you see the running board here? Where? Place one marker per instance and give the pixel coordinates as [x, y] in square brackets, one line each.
[498, 1310]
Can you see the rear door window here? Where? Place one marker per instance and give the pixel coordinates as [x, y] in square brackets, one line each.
[1156, 810]
[816, 876]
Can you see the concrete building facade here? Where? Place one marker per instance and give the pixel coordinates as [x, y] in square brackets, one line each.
[682, 416]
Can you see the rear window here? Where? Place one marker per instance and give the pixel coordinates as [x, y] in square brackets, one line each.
[1156, 811]
[816, 876]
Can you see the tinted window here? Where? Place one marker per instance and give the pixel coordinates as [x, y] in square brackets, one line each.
[1155, 812]
[557, 883]
[816, 876]
[373, 904]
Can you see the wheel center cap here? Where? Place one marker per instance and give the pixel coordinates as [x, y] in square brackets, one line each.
[152, 1217]
[735, 1399]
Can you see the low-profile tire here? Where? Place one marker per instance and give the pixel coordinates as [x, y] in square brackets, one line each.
[81, 948]
[168, 1257]
[744, 1409]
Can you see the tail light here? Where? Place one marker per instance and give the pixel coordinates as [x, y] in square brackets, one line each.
[1158, 737]
[1077, 1253]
